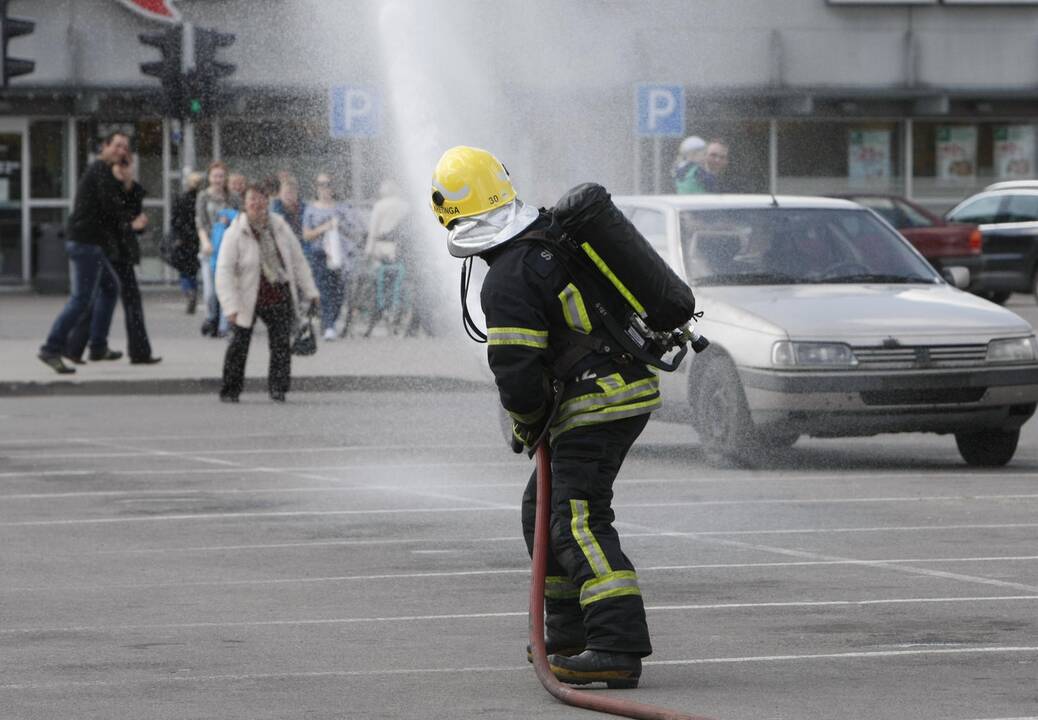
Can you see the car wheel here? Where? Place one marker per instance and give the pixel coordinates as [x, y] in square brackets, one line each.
[998, 297]
[776, 439]
[988, 448]
[721, 416]
[1034, 284]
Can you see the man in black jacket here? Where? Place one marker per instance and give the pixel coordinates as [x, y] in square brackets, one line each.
[94, 229]
[539, 330]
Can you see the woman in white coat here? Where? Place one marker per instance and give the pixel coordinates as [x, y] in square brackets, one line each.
[260, 273]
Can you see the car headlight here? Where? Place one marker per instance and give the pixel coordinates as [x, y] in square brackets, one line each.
[1013, 350]
[786, 353]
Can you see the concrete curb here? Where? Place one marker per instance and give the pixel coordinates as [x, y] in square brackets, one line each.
[211, 385]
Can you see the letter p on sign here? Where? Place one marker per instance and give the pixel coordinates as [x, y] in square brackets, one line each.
[660, 110]
[353, 111]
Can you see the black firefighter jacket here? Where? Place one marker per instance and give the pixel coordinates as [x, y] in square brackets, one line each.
[532, 310]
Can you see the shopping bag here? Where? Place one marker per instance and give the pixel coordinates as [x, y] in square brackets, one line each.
[333, 247]
[305, 342]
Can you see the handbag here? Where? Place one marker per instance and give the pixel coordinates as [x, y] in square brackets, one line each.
[305, 342]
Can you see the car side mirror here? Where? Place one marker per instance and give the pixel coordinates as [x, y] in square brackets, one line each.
[958, 277]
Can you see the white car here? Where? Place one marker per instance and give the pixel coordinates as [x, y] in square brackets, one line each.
[824, 321]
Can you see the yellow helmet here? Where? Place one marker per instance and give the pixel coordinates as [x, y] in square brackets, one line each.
[468, 181]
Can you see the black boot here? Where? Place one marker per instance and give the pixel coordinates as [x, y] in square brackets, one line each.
[191, 296]
[558, 646]
[616, 670]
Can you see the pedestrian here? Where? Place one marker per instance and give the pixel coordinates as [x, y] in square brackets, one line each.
[128, 254]
[387, 231]
[595, 616]
[260, 273]
[215, 197]
[288, 205]
[329, 236]
[688, 165]
[716, 164]
[185, 240]
[94, 228]
[237, 183]
[123, 255]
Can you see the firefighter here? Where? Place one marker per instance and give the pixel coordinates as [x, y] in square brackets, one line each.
[540, 335]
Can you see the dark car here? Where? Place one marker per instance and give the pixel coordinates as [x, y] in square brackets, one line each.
[944, 244]
[1007, 214]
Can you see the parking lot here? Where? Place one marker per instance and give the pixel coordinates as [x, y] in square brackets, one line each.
[358, 555]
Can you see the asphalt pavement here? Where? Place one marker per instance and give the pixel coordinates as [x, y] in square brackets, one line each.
[358, 555]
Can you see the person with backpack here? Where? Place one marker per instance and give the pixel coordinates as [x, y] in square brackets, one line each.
[557, 371]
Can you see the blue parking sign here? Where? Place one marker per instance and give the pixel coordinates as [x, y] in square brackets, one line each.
[660, 110]
[354, 111]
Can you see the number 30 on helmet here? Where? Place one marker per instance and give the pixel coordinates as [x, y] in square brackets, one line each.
[467, 182]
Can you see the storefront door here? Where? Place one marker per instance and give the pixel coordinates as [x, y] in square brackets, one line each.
[14, 262]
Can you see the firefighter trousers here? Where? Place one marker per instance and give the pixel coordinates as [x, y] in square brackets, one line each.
[591, 589]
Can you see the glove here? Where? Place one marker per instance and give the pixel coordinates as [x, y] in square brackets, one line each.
[524, 435]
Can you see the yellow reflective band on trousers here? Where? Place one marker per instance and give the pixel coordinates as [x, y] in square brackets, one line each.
[615, 584]
[573, 309]
[604, 269]
[528, 418]
[525, 337]
[581, 530]
[559, 587]
[617, 400]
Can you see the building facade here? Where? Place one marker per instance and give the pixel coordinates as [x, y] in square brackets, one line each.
[932, 99]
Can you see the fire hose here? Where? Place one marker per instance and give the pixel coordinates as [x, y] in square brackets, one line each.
[565, 693]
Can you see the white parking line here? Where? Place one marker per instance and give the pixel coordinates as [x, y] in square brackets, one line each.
[642, 570]
[525, 667]
[695, 607]
[516, 538]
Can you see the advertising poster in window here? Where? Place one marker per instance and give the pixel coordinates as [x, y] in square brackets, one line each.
[957, 154]
[868, 157]
[1014, 152]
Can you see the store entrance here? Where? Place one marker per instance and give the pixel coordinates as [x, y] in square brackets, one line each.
[12, 171]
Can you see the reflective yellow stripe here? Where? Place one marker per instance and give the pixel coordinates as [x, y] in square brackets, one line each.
[560, 588]
[573, 309]
[612, 394]
[528, 418]
[604, 269]
[526, 337]
[581, 529]
[615, 584]
[607, 415]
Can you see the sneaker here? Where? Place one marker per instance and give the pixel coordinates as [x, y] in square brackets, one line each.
[55, 363]
[329, 335]
[616, 670]
[145, 361]
[228, 398]
[277, 396]
[106, 354]
[208, 328]
[75, 360]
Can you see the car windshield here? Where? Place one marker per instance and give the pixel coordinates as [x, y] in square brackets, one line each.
[779, 246]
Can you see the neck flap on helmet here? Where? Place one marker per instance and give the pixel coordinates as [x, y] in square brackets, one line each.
[479, 233]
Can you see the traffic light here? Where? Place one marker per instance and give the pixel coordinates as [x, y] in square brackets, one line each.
[12, 28]
[169, 69]
[205, 72]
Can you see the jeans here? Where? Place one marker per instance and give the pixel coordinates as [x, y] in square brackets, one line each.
[188, 283]
[137, 345]
[212, 305]
[278, 319]
[95, 291]
[329, 284]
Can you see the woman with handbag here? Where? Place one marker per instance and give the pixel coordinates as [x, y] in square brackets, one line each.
[387, 228]
[328, 232]
[261, 272]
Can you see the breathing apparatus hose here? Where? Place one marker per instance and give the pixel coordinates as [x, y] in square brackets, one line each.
[566, 693]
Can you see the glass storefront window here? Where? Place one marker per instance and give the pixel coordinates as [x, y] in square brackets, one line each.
[47, 220]
[48, 147]
[822, 158]
[954, 159]
[152, 269]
